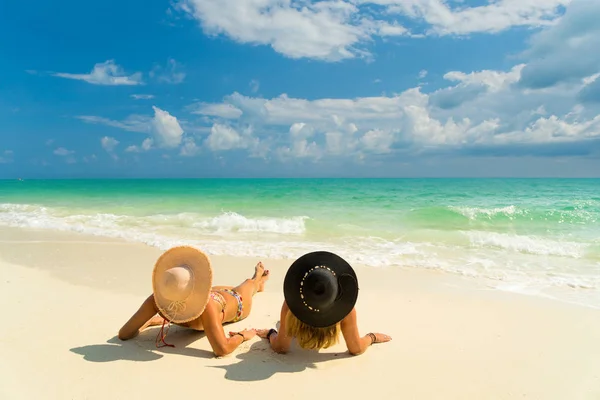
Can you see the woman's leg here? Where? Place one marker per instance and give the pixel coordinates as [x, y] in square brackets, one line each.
[250, 287]
[143, 317]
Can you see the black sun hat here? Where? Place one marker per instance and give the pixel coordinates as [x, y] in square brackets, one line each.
[320, 288]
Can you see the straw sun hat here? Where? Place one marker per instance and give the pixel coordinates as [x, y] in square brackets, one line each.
[181, 283]
[320, 289]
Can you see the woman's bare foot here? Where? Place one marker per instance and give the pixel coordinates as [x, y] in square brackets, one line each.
[258, 270]
[263, 279]
[260, 277]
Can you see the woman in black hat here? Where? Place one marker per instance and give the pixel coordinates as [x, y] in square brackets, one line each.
[320, 290]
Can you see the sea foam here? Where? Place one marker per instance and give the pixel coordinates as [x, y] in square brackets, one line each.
[516, 261]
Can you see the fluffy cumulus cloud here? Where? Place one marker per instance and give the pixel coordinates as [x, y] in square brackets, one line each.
[189, 147]
[498, 117]
[145, 146]
[109, 143]
[164, 130]
[334, 30]
[223, 137]
[472, 85]
[568, 52]
[548, 103]
[106, 73]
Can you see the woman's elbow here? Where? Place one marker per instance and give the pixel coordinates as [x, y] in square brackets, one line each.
[124, 334]
[221, 352]
[356, 352]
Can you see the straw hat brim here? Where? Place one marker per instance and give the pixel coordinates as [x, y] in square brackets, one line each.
[202, 277]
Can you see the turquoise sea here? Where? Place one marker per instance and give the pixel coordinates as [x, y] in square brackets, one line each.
[535, 236]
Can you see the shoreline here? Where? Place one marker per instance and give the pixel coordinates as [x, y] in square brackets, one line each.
[453, 338]
[27, 235]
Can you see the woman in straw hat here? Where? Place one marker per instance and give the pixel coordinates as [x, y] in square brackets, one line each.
[320, 291]
[183, 295]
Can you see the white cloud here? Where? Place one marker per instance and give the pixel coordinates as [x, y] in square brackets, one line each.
[499, 15]
[106, 73]
[384, 29]
[333, 30]
[493, 80]
[327, 30]
[301, 146]
[189, 148]
[133, 123]
[378, 141]
[301, 130]
[552, 129]
[166, 129]
[300, 149]
[226, 111]
[422, 74]
[109, 143]
[479, 109]
[142, 96]
[171, 74]
[566, 52]
[472, 85]
[145, 146]
[588, 80]
[223, 137]
[61, 151]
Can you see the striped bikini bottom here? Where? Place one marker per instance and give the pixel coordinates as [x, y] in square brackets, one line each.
[218, 297]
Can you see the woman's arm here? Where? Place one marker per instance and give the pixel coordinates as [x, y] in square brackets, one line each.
[132, 327]
[355, 343]
[279, 341]
[213, 328]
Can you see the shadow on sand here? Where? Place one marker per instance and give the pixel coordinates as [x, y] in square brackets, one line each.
[142, 347]
[260, 362]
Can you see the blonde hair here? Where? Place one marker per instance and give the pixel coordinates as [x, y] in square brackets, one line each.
[309, 337]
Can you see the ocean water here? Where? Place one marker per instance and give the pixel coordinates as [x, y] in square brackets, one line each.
[535, 236]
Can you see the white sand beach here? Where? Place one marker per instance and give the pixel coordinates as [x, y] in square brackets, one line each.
[65, 296]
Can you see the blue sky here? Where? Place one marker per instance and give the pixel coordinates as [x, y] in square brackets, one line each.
[264, 88]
